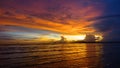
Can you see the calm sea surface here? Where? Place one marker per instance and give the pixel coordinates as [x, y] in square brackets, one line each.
[93, 55]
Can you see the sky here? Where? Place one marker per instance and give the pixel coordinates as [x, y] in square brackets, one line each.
[50, 19]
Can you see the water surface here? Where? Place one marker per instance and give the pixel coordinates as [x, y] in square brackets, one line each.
[79, 55]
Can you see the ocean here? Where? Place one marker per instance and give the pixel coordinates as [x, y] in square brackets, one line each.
[73, 55]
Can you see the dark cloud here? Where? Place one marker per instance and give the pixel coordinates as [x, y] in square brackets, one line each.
[109, 22]
[110, 27]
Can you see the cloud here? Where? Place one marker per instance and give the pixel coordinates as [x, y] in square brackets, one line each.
[109, 22]
[28, 19]
[110, 27]
[69, 17]
[61, 16]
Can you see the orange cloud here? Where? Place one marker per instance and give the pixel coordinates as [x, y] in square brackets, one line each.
[69, 18]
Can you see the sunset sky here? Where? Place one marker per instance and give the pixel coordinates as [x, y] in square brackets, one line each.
[50, 19]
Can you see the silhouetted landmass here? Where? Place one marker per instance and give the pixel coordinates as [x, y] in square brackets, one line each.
[57, 42]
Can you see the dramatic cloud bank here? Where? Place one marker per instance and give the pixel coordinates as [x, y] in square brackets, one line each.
[60, 16]
[38, 17]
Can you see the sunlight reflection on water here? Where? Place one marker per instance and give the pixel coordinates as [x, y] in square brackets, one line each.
[52, 56]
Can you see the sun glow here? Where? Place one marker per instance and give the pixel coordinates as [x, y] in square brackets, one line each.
[81, 37]
[100, 37]
[74, 37]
